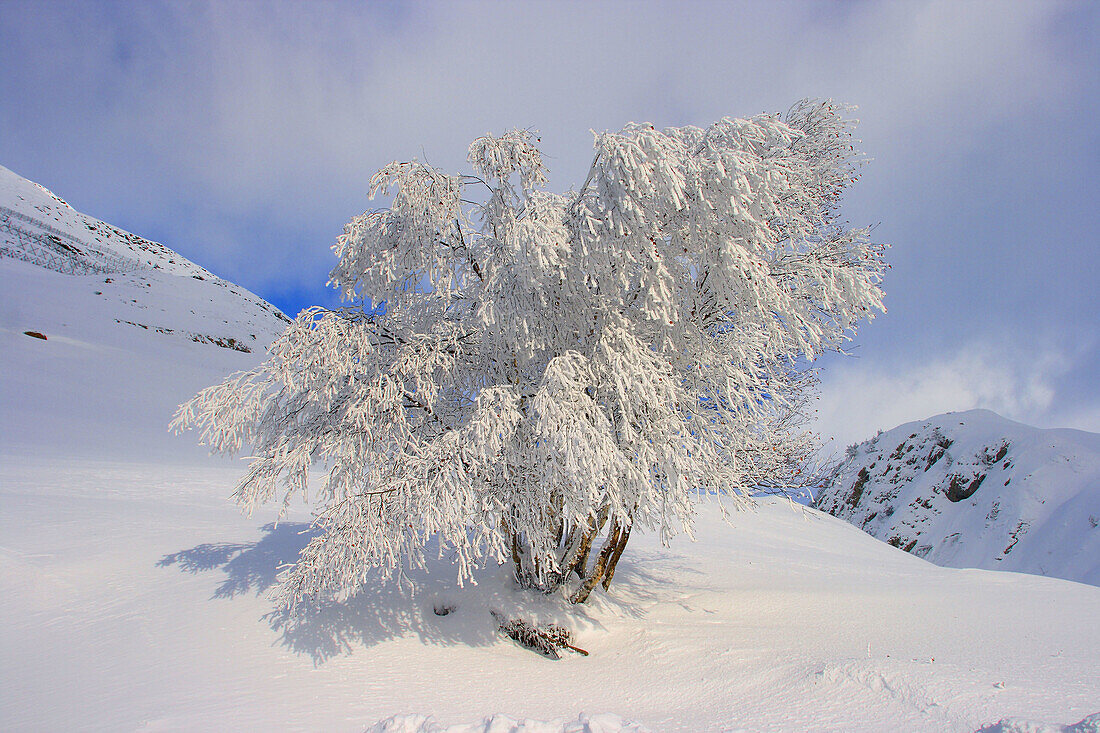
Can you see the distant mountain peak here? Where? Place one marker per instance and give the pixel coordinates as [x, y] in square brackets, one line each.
[37, 226]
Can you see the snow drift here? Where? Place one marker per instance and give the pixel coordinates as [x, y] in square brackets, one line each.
[505, 724]
[972, 489]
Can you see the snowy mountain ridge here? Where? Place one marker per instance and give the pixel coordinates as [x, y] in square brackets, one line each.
[973, 489]
[33, 210]
[39, 227]
[104, 331]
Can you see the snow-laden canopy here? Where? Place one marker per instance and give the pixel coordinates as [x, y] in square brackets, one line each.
[525, 371]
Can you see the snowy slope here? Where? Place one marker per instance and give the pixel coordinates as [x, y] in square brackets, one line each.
[135, 594]
[972, 489]
[125, 343]
[31, 213]
[135, 599]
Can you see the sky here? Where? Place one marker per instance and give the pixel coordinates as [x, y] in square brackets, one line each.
[243, 135]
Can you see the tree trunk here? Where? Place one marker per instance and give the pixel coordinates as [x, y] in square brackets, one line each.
[579, 562]
[575, 547]
[614, 561]
[614, 538]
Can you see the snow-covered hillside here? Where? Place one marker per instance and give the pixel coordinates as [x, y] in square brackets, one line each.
[137, 330]
[135, 593]
[972, 489]
[38, 226]
[135, 599]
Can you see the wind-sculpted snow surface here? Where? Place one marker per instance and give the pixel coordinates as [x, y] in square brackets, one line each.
[972, 489]
[1091, 724]
[145, 596]
[504, 724]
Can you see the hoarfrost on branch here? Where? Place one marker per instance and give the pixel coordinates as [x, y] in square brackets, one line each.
[529, 377]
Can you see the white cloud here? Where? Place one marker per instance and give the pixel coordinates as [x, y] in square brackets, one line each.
[253, 108]
[858, 399]
[243, 135]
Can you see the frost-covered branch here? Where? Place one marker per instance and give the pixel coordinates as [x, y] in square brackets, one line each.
[546, 374]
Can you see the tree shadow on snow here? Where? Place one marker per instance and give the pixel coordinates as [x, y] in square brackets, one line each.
[249, 567]
[644, 579]
[426, 603]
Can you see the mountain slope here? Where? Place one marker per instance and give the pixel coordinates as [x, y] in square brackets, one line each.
[972, 489]
[38, 226]
[130, 328]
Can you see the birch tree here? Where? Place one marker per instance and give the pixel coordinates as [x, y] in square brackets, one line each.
[531, 378]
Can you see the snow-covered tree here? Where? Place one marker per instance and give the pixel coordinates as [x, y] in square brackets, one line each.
[531, 377]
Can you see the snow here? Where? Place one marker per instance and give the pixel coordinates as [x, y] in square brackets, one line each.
[972, 489]
[1091, 724]
[139, 591]
[505, 724]
[112, 338]
[39, 210]
[136, 594]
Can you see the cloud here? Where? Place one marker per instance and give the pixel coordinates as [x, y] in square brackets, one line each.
[243, 135]
[242, 109]
[859, 399]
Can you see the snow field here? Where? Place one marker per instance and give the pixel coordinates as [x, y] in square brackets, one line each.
[136, 600]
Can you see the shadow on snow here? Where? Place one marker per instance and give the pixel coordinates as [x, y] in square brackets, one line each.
[388, 609]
